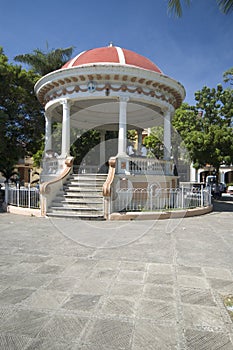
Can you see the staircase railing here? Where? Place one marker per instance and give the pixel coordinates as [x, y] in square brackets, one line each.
[49, 189]
[107, 187]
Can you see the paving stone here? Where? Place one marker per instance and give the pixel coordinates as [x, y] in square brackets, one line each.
[99, 264]
[49, 344]
[34, 259]
[109, 334]
[118, 306]
[203, 340]
[49, 269]
[25, 322]
[82, 302]
[160, 268]
[152, 291]
[5, 313]
[62, 260]
[133, 290]
[136, 276]
[202, 316]
[157, 310]
[82, 267]
[13, 342]
[192, 281]
[218, 273]
[97, 285]
[103, 273]
[151, 336]
[24, 267]
[165, 279]
[46, 299]
[10, 280]
[63, 328]
[62, 284]
[133, 266]
[224, 286]
[33, 281]
[197, 297]
[14, 295]
[190, 270]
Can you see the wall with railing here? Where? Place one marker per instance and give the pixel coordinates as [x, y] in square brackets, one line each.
[133, 165]
[156, 199]
[142, 165]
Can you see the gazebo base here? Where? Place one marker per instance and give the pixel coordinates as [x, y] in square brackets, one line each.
[161, 215]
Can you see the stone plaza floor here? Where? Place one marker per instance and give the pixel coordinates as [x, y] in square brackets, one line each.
[86, 285]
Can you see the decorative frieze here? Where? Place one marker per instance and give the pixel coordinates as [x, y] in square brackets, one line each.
[162, 94]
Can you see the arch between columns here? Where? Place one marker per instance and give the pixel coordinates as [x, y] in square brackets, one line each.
[91, 113]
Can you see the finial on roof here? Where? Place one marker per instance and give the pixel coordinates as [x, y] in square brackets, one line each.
[110, 44]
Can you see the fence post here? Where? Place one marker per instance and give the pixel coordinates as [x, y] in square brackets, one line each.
[17, 194]
[202, 196]
[29, 195]
[182, 197]
[6, 193]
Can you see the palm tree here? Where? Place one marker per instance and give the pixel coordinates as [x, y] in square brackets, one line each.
[225, 6]
[43, 63]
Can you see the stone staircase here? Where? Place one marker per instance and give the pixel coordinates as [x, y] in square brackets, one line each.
[81, 197]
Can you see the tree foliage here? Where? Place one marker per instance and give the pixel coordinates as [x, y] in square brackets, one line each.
[154, 142]
[228, 76]
[84, 144]
[42, 62]
[21, 116]
[175, 6]
[206, 129]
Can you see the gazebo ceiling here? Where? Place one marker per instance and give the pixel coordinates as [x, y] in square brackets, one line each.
[87, 114]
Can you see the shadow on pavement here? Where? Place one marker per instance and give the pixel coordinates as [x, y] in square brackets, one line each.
[223, 205]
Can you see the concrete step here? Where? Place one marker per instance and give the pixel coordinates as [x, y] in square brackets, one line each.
[78, 205]
[82, 191]
[79, 211]
[81, 196]
[76, 216]
[74, 199]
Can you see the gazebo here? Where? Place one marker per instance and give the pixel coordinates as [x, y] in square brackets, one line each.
[107, 88]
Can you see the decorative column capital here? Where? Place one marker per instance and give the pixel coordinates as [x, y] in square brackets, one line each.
[124, 99]
[65, 102]
[168, 110]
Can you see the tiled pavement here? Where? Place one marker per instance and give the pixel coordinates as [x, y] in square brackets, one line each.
[70, 284]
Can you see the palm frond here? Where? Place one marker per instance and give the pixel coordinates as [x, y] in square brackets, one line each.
[226, 6]
[175, 7]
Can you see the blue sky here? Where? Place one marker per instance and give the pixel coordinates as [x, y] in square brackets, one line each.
[195, 50]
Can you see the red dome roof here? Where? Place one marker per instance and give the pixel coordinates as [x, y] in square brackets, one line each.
[112, 54]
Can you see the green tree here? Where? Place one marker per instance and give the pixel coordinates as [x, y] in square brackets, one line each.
[41, 63]
[86, 142]
[206, 128]
[154, 142]
[44, 62]
[21, 116]
[175, 6]
[228, 76]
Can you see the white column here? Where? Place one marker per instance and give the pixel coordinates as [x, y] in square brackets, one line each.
[122, 136]
[139, 132]
[167, 134]
[48, 132]
[65, 147]
[102, 147]
[193, 173]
